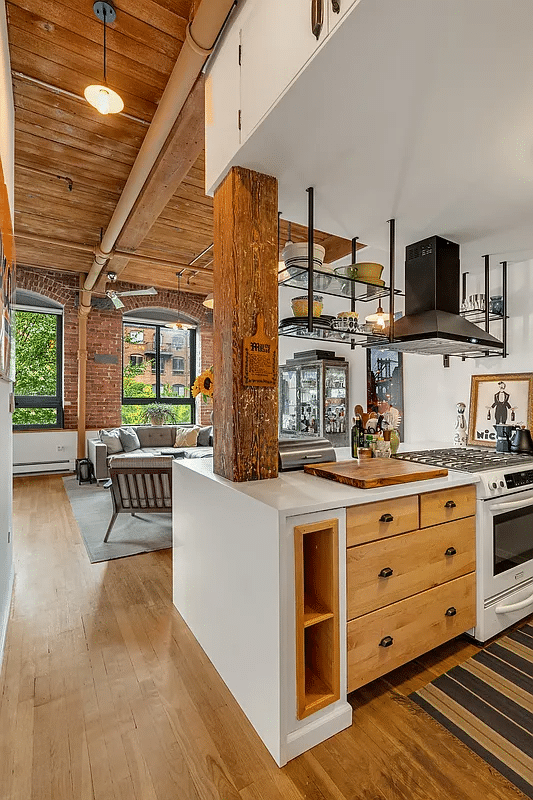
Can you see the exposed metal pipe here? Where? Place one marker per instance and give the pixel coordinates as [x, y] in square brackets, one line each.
[58, 90]
[86, 248]
[200, 38]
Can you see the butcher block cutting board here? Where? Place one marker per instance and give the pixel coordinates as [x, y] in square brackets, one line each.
[374, 472]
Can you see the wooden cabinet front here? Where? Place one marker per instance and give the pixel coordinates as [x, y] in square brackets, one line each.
[383, 572]
[410, 578]
[387, 638]
[447, 505]
[372, 521]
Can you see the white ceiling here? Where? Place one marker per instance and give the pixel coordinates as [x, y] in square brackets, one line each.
[420, 110]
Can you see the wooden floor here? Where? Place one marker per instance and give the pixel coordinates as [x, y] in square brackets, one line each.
[106, 695]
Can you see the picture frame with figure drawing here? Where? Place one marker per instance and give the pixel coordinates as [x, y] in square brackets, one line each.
[498, 400]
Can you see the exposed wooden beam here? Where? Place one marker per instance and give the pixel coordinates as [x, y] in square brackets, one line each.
[183, 146]
[245, 292]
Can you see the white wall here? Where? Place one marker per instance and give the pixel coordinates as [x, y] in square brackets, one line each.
[6, 154]
[44, 451]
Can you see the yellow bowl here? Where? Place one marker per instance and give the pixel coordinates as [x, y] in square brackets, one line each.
[299, 306]
[369, 271]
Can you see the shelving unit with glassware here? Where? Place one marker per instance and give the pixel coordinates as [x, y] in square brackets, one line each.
[485, 315]
[313, 400]
[352, 289]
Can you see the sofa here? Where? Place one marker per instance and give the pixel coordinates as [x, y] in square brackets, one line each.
[154, 440]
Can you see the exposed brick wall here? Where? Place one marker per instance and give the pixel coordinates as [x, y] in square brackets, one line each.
[104, 337]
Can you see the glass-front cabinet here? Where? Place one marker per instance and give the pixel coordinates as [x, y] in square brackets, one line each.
[314, 400]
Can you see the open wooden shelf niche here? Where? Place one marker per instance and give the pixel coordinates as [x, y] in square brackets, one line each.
[316, 557]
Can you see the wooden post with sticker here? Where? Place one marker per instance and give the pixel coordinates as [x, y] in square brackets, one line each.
[260, 358]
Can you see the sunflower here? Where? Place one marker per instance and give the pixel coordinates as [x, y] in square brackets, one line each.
[204, 384]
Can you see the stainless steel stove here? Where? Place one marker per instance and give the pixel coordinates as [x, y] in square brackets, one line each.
[504, 531]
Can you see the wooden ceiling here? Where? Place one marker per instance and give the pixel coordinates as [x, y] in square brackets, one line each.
[71, 163]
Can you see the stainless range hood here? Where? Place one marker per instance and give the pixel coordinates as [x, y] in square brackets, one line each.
[432, 323]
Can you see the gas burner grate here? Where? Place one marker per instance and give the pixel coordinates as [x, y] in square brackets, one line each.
[468, 460]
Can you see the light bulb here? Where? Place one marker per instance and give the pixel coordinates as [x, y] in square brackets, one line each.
[104, 99]
[380, 321]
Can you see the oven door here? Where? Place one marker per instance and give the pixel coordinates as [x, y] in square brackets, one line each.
[507, 543]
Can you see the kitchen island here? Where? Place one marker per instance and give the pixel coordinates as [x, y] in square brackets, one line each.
[247, 557]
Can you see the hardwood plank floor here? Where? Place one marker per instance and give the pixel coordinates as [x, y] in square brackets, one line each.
[106, 695]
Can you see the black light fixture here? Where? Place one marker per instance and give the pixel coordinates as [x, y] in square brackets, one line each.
[104, 99]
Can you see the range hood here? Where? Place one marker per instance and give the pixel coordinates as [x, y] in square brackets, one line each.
[432, 323]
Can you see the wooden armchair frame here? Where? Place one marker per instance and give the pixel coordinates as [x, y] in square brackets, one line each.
[140, 485]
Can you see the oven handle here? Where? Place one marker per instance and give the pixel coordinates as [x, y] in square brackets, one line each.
[513, 504]
[515, 606]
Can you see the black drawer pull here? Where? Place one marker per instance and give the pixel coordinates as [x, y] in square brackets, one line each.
[451, 551]
[386, 518]
[386, 641]
[450, 504]
[451, 611]
[386, 572]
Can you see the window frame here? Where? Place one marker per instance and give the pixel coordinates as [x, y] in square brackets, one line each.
[172, 401]
[45, 401]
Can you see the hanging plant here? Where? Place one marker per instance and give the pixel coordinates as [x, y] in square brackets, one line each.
[204, 385]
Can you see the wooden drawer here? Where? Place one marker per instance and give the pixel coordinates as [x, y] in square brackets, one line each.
[418, 561]
[447, 505]
[415, 625]
[371, 521]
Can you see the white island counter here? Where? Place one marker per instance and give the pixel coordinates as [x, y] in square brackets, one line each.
[234, 585]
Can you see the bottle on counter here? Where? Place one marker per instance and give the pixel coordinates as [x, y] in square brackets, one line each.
[360, 432]
[354, 438]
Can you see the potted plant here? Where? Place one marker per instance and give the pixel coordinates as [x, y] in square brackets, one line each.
[158, 414]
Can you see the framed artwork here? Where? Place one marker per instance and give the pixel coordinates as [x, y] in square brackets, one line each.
[385, 385]
[7, 285]
[498, 400]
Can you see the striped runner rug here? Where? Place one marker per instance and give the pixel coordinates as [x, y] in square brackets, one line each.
[487, 703]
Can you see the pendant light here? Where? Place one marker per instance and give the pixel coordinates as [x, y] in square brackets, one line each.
[104, 99]
[209, 301]
[179, 324]
[379, 319]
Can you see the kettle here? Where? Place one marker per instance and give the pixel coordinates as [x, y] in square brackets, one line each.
[522, 441]
[503, 437]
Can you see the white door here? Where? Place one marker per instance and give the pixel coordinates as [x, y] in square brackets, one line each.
[277, 41]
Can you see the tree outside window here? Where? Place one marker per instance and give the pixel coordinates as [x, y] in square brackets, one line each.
[149, 367]
[38, 370]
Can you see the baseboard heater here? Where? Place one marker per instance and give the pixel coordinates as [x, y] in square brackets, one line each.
[64, 465]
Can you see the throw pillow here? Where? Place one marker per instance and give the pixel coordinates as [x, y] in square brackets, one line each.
[130, 440]
[186, 437]
[112, 440]
[204, 435]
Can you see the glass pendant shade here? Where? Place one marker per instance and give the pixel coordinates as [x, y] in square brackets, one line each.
[209, 301]
[380, 319]
[104, 99]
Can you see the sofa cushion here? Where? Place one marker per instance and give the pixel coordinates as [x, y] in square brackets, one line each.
[130, 440]
[198, 452]
[186, 437]
[156, 435]
[204, 436]
[112, 440]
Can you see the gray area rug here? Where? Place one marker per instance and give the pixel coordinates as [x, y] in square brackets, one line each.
[93, 507]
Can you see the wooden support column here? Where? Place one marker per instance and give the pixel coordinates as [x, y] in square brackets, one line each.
[245, 277]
